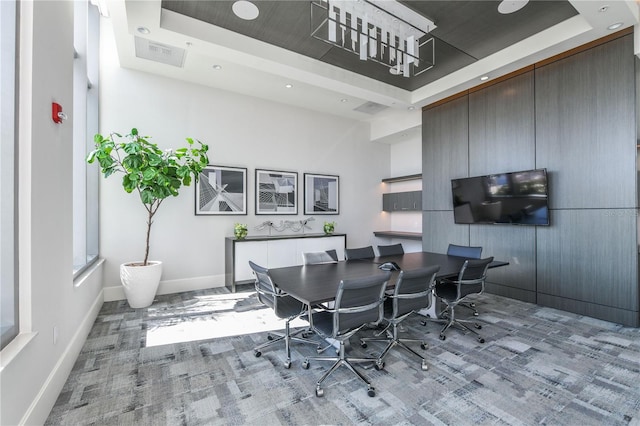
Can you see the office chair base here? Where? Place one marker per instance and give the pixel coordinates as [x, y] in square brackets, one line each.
[273, 338]
[338, 361]
[396, 342]
[462, 326]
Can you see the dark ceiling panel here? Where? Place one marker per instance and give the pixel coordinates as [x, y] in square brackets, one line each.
[477, 28]
[466, 31]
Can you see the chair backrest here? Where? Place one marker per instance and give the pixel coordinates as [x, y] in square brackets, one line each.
[359, 301]
[316, 257]
[391, 250]
[472, 276]
[464, 251]
[359, 253]
[413, 289]
[282, 304]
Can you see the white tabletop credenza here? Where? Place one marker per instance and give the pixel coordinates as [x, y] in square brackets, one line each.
[273, 252]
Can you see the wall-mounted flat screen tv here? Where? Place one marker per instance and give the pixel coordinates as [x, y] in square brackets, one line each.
[519, 198]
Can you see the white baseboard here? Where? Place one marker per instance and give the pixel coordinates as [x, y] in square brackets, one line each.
[170, 286]
[41, 406]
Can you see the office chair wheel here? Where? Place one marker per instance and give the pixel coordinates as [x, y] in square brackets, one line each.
[269, 337]
[319, 392]
[363, 344]
[379, 366]
[478, 326]
[371, 391]
[257, 353]
[423, 346]
[305, 364]
[424, 365]
[287, 364]
[423, 322]
[480, 339]
[443, 337]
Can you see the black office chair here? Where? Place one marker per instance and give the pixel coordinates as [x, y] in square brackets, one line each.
[468, 252]
[358, 302]
[283, 305]
[411, 293]
[470, 280]
[359, 253]
[317, 257]
[391, 250]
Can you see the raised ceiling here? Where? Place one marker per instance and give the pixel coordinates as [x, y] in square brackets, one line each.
[259, 57]
[466, 31]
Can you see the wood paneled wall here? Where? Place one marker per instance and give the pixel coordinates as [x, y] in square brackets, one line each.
[575, 116]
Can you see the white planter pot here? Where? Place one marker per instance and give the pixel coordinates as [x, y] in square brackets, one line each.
[140, 282]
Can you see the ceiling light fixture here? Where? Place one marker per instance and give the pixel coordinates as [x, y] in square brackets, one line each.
[288, 86]
[614, 26]
[484, 78]
[245, 10]
[217, 67]
[509, 6]
[383, 31]
[343, 100]
[143, 30]
[603, 8]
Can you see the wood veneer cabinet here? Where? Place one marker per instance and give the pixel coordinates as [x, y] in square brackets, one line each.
[273, 252]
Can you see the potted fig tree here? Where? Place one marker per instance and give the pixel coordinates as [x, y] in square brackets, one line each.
[155, 174]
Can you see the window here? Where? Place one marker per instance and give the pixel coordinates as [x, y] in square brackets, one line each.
[8, 192]
[85, 126]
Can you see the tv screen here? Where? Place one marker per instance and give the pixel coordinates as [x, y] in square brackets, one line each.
[518, 198]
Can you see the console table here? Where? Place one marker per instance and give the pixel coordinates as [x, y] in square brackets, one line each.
[273, 252]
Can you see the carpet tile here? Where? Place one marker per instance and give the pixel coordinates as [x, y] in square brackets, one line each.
[188, 360]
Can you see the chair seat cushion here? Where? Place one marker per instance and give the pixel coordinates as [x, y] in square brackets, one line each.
[446, 291]
[288, 307]
[323, 322]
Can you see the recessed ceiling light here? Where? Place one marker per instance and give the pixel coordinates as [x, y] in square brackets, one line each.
[509, 6]
[143, 30]
[411, 108]
[484, 78]
[603, 8]
[343, 100]
[288, 86]
[217, 67]
[614, 26]
[189, 44]
[245, 10]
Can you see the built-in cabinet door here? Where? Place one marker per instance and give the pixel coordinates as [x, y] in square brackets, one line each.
[255, 251]
[402, 201]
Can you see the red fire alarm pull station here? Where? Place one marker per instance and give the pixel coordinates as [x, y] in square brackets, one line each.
[56, 113]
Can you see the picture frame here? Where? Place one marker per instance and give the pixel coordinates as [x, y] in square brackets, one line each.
[276, 192]
[221, 190]
[321, 194]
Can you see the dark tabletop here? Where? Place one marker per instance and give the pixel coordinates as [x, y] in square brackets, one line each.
[313, 284]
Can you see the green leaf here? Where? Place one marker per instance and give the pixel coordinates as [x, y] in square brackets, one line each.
[149, 174]
[134, 131]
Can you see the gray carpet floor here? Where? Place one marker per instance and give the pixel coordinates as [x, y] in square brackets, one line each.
[188, 360]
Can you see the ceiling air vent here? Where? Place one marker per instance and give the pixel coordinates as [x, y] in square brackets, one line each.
[371, 108]
[158, 52]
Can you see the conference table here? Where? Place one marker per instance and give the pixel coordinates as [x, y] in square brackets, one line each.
[316, 284]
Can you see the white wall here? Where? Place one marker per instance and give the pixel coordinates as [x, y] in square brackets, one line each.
[34, 369]
[240, 131]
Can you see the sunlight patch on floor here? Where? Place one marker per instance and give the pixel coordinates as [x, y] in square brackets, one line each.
[213, 316]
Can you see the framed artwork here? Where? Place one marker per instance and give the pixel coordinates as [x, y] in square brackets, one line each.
[222, 191]
[276, 192]
[321, 194]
